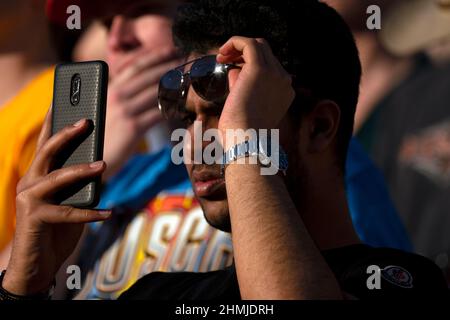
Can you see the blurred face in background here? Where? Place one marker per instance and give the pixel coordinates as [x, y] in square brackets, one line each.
[137, 37]
[92, 43]
[142, 26]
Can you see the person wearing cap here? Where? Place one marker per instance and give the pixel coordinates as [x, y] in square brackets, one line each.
[139, 49]
[27, 57]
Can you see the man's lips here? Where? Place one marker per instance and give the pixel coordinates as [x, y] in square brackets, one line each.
[206, 183]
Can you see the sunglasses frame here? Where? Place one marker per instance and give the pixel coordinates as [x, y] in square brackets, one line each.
[186, 80]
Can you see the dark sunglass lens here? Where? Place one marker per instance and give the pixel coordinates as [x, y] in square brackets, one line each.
[170, 93]
[209, 79]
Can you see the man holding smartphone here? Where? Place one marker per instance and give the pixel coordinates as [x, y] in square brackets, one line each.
[156, 225]
[149, 189]
[137, 58]
[292, 235]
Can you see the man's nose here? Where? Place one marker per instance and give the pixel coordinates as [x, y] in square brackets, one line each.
[207, 118]
[199, 141]
[122, 36]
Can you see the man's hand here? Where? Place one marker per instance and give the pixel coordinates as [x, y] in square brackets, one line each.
[275, 256]
[260, 92]
[133, 103]
[47, 233]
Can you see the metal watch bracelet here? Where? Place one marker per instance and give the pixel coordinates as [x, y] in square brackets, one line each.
[252, 147]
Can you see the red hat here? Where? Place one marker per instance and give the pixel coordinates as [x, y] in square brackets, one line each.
[56, 10]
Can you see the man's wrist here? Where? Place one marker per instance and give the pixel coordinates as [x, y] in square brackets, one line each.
[12, 284]
[22, 284]
[230, 138]
[15, 288]
[257, 150]
[235, 127]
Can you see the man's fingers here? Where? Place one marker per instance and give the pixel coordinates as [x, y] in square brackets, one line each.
[146, 78]
[149, 119]
[145, 55]
[270, 57]
[46, 130]
[236, 46]
[266, 51]
[61, 179]
[253, 51]
[49, 151]
[65, 214]
[144, 101]
[142, 62]
[130, 58]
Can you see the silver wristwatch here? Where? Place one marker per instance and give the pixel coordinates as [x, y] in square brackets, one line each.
[260, 147]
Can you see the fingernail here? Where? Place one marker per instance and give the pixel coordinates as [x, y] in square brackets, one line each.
[96, 165]
[104, 212]
[79, 123]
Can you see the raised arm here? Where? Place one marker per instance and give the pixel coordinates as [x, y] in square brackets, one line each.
[47, 233]
[275, 256]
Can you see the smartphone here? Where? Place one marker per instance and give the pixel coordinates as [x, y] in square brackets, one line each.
[79, 92]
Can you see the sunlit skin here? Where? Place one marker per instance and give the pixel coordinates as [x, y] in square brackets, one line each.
[208, 181]
[259, 209]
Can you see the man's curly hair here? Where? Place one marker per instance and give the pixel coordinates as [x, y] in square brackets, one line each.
[308, 37]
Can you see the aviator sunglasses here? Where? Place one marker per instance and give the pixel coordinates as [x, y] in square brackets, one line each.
[209, 80]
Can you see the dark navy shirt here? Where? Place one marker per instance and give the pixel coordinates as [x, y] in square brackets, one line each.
[401, 275]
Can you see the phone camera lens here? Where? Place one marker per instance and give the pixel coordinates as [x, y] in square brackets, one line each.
[75, 88]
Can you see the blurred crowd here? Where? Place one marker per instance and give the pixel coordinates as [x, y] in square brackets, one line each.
[398, 169]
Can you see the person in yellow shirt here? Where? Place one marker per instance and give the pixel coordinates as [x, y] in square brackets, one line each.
[27, 58]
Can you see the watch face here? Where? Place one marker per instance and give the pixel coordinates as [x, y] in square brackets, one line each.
[264, 160]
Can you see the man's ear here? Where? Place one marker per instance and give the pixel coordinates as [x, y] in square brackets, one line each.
[323, 124]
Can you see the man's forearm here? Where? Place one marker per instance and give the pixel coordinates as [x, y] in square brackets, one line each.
[4, 256]
[275, 256]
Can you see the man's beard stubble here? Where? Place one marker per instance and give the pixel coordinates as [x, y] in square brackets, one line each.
[296, 181]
